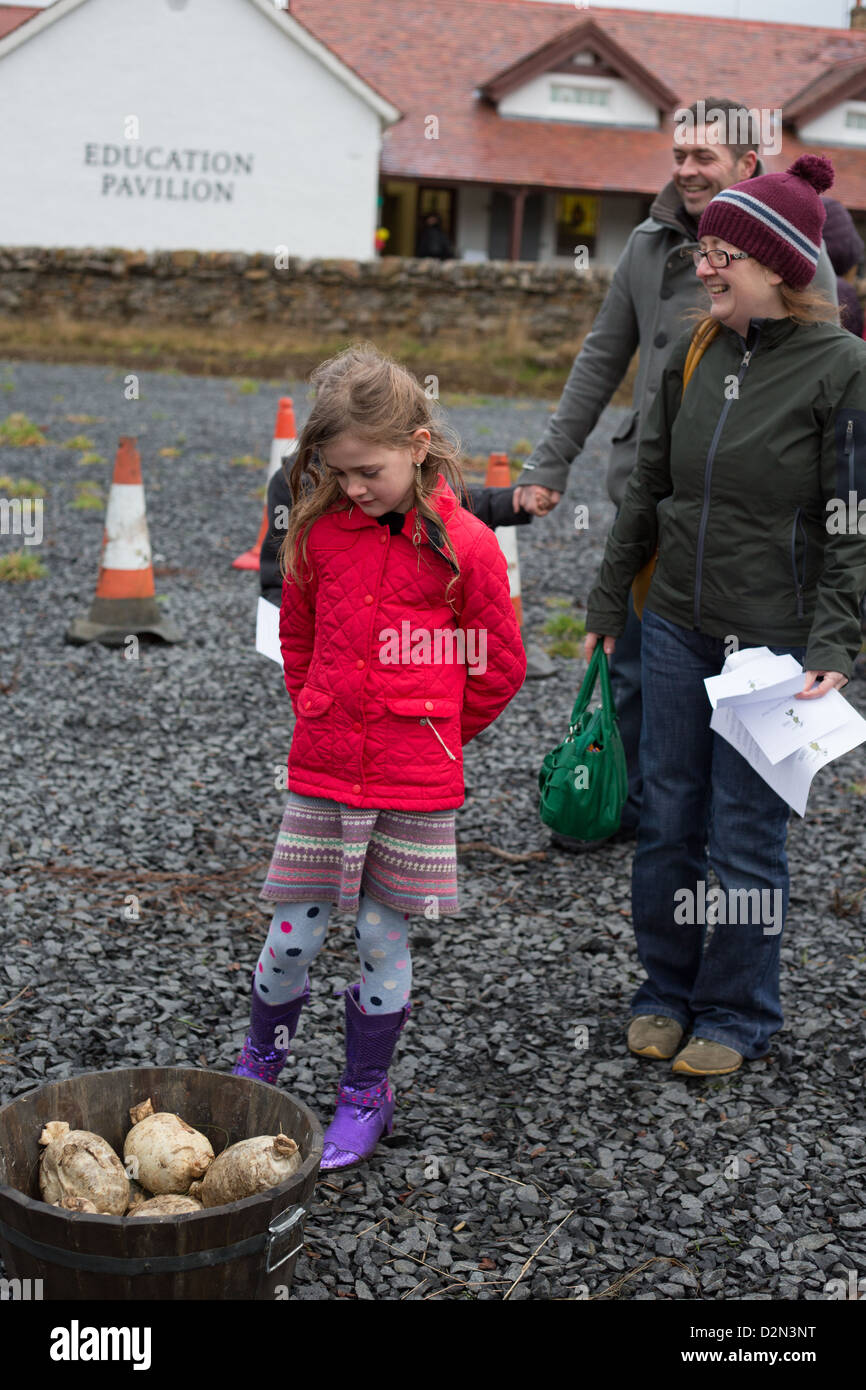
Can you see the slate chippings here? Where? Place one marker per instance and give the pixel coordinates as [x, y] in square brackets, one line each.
[532, 1155]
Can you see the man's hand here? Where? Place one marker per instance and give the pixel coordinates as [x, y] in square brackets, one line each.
[590, 643]
[832, 680]
[535, 499]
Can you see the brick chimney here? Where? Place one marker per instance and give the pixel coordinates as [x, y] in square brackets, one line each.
[858, 16]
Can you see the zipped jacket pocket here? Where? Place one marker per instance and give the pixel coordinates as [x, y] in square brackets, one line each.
[799, 578]
[850, 454]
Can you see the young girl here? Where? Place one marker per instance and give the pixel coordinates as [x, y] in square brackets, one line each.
[399, 645]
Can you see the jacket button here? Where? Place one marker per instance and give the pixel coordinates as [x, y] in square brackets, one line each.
[356, 787]
[660, 340]
[666, 293]
[368, 598]
[360, 663]
[382, 538]
[357, 728]
[428, 704]
[307, 704]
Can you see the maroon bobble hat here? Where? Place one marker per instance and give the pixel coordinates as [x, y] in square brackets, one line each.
[777, 218]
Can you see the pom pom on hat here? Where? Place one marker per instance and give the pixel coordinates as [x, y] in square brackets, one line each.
[816, 169]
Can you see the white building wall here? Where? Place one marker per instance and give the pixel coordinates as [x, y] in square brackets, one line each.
[473, 222]
[618, 218]
[204, 80]
[625, 106]
[830, 128]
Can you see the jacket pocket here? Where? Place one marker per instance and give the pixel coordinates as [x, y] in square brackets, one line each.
[799, 574]
[312, 703]
[623, 456]
[426, 709]
[334, 541]
[626, 429]
[312, 750]
[850, 453]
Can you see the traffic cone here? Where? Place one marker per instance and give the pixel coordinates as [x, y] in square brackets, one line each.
[499, 475]
[125, 604]
[283, 445]
[538, 663]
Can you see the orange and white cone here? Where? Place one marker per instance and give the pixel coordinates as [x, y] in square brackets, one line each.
[283, 445]
[499, 475]
[538, 663]
[125, 603]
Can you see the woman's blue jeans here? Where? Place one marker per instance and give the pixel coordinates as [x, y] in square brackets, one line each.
[700, 795]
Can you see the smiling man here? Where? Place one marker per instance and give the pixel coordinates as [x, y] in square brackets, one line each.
[647, 307]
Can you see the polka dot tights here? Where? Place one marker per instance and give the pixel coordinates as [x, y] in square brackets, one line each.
[297, 934]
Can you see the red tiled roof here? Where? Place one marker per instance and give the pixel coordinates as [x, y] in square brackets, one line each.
[839, 83]
[13, 15]
[585, 34]
[429, 56]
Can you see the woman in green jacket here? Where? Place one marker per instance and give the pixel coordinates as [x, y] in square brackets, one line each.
[738, 481]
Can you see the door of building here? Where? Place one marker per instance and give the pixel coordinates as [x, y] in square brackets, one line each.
[499, 234]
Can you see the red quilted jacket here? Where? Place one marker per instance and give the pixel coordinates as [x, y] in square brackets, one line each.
[373, 726]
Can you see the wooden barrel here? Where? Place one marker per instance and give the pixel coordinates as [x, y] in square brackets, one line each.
[242, 1250]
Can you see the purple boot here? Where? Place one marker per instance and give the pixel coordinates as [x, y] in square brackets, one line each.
[365, 1101]
[258, 1057]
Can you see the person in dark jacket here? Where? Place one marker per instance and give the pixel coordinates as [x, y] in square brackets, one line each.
[738, 485]
[845, 248]
[432, 241]
[495, 506]
[651, 296]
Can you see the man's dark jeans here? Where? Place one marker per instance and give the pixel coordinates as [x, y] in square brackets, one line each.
[625, 681]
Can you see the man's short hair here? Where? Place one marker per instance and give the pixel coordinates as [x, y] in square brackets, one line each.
[744, 122]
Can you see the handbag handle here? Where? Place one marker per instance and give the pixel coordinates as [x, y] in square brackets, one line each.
[596, 670]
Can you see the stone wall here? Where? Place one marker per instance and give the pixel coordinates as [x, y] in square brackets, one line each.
[424, 298]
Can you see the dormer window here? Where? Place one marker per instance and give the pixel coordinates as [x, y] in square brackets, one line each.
[581, 77]
[585, 96]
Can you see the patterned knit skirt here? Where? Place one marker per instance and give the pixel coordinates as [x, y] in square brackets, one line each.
[328, 852]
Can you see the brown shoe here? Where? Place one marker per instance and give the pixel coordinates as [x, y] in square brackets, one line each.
[702, 1057]
[653, 1035]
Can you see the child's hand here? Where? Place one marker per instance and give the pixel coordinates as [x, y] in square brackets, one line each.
[535, 499]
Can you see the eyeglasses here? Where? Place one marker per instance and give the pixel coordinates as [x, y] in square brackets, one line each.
[718, 259]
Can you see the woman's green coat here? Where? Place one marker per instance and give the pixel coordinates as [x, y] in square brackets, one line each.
[742, 483]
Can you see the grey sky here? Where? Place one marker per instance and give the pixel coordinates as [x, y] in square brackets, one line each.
[828, 13]
[825, 12]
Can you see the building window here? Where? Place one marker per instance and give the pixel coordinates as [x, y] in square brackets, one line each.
[857, 119]
[576, 223]
[583, 96]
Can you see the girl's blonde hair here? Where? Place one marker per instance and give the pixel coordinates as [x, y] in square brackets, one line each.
[364, 393]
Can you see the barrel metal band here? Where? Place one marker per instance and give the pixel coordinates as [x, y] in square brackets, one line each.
[280, 1232]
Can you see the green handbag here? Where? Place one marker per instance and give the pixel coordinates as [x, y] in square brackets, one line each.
[583, 782]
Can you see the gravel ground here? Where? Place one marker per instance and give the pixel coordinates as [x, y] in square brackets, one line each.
[510, 1131]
